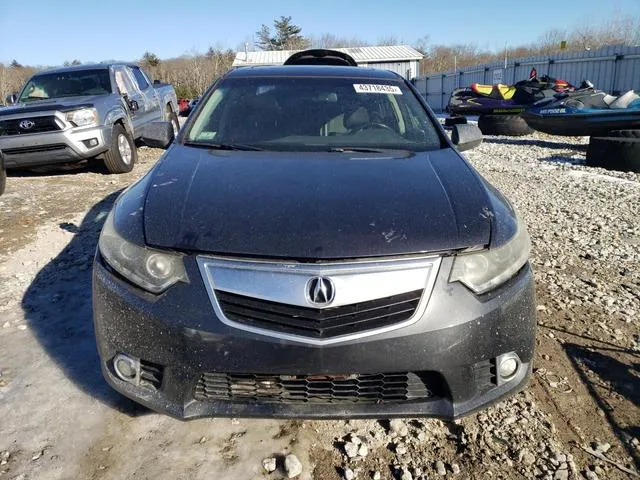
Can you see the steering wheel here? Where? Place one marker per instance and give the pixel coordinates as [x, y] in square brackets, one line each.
[371, 125]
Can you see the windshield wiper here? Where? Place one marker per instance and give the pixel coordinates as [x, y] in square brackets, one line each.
[354, 149]
[223, 146]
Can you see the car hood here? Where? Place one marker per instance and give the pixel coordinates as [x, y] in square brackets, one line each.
[65, 104]
[315, 205]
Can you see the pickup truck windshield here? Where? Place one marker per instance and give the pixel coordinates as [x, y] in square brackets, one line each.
[67, 84]
[313, 113]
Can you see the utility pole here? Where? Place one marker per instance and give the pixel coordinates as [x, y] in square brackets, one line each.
[455, 70]
[505, 55]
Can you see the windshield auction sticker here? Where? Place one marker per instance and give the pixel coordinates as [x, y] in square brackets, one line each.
[376, 88]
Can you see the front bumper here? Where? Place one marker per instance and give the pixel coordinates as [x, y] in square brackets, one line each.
[456, 341]
[62, 146]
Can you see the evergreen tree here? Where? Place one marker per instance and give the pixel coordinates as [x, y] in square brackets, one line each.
[286, 36]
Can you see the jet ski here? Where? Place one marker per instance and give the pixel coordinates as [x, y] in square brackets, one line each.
[504, 99]
[587, 112]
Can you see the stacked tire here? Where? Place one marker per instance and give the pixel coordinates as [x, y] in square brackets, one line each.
[3, 175]
[617, 150]
[508, 125]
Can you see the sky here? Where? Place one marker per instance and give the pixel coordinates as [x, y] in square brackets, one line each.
[50, 32]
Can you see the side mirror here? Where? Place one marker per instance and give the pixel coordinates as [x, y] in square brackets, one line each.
[157, 82]
[132, 104]
[158, 134]
[466, 137]
[11, 99]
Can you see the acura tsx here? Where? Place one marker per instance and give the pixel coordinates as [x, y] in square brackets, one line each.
[313, 244]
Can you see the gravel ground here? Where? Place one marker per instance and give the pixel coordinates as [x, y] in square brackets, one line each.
[579, 417]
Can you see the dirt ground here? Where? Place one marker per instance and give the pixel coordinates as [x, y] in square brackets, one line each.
[59, 419]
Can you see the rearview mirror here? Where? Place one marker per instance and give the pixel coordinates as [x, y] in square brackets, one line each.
[158, 134]
[466, 137]
[11, 99]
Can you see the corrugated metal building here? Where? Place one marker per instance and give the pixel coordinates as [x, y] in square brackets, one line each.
[614, 69]
[401, 59]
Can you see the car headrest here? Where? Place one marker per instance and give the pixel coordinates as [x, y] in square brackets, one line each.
[356, 119]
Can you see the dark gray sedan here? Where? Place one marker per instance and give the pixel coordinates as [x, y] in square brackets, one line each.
[314, 245]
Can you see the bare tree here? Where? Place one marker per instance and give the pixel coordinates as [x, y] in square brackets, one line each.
[329, 40]
[389, 40]
[13, 77]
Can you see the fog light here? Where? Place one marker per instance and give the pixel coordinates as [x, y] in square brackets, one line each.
[126, 367]
[92, 142]
[508, 368]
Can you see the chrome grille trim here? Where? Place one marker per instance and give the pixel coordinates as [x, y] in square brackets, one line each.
[285, 282]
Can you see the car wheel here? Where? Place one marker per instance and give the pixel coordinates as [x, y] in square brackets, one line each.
[509, 125]
[614, 153]
[122, 155]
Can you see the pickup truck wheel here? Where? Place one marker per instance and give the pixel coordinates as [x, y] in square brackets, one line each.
[122, 155]
[173, 118]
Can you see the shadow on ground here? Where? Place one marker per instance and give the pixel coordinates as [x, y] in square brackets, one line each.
[605, 375]
[57, 306]
[89, 166]
[533, 142]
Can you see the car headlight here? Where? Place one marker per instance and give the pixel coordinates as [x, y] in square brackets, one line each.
[83, 117]
[153, 270]
[485, 270]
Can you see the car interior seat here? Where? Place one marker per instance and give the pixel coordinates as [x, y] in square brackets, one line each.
[356, 118]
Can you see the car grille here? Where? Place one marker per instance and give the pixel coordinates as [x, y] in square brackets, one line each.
[355, 388]
[151, 374]
[38, 149]
[319, 323]
[42, 124]
[484, 375]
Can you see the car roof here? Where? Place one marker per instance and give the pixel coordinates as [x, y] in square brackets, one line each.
[90, 66]
[313, 71]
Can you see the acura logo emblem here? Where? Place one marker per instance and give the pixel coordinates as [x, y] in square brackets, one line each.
[27, 124]
[320, 291]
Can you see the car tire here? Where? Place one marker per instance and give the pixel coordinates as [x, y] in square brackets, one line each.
[614, 153]
[122, 155]
[624, 134]
[509, 125]
[457, 120]
[3, 179]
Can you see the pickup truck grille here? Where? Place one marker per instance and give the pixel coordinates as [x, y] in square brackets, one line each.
[40, 125]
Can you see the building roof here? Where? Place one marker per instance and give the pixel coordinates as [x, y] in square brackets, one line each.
[362, 55]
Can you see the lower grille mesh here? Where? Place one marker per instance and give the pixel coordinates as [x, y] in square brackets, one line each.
[36, 149]
[354, 388]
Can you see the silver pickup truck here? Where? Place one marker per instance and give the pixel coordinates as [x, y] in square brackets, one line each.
[84, 112]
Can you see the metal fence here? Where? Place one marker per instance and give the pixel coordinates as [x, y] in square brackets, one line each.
[614, 69]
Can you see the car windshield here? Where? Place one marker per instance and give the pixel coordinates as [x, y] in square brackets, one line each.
[67, 84]
[313, 113]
